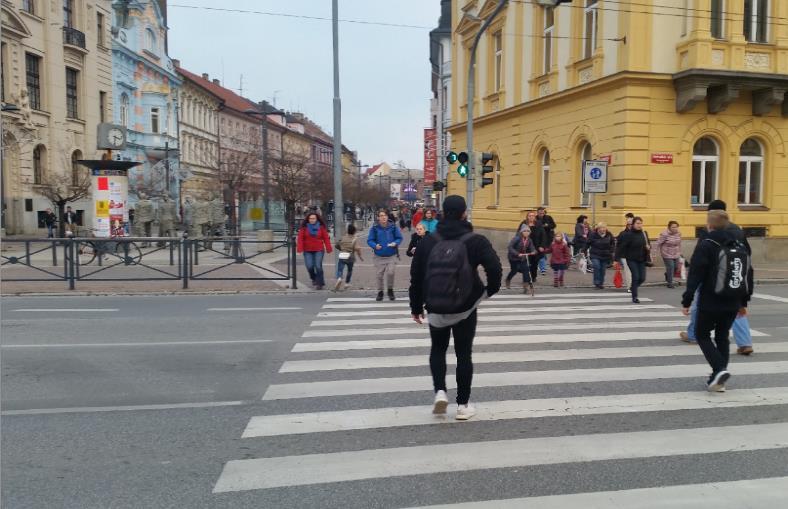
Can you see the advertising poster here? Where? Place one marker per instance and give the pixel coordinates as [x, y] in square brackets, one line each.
[110, 199]
[430, 156]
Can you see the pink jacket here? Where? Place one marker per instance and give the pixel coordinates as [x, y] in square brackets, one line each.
[561, 254]
[669, 244]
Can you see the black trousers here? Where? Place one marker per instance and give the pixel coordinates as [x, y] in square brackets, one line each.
[464, 333]
[519, 266]
[638, 270]
[718, 352]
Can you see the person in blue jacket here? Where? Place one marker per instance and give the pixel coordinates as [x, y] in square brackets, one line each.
[384, 239]
[429, 221]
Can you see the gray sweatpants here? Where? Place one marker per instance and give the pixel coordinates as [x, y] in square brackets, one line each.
[385, 266]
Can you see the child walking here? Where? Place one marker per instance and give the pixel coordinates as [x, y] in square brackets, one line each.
[559, 261]
[520, 249]
[348, 249]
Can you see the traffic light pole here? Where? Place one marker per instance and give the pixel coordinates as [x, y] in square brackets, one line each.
[339, 206]
[469, 179]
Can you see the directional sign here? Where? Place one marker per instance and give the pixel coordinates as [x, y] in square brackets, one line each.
[594, 176]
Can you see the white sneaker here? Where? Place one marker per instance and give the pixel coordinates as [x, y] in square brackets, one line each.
[338, 285]
[441, 402]
[717, 382]
[465, 412]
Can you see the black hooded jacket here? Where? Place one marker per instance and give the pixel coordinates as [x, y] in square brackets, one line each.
[480, 252]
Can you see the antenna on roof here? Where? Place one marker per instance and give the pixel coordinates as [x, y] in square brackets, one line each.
[241, 89]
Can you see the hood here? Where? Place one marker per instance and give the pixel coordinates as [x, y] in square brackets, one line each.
[721, 236]
[453, 228]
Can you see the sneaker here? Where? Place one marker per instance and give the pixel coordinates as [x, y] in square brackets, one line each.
[379, 298]
[685, 337]
[744, 350]
[391, 295]
[718, 381]
[441, 403]
[508, 284]
[465, 412]
[338, 285]
[347, 286]
[635, 300]
[544, 272]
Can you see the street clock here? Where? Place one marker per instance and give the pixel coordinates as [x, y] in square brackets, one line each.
[111, 137]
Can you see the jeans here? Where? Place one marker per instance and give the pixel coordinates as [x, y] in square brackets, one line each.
[50, 231]
[638, 270]
[716, 353]
[543, 264]
[341, 264]
[464, 332]
[600, 266]
[314, 265]
[670, 268]
[741, 325]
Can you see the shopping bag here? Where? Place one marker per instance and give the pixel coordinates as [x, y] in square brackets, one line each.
[677, 270]
[582, 264]
[683, 265]
[618, 279]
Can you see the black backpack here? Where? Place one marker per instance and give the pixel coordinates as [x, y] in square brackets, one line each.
[733, 266]
[450, 277]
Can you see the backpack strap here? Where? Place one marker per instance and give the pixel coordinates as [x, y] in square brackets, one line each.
[467, 236]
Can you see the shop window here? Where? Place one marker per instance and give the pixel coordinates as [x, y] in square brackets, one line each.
[705, 167]
[750, 189]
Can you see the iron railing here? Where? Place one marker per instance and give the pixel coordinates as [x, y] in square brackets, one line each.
[73, 37]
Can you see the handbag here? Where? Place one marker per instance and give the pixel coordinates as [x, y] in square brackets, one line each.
[683, 268]
[344, 255]
[582, 264]
[618, 279]
[649, 259]
[677, 270]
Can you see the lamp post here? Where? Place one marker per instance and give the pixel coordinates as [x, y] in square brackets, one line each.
[339, 219]
[264, 160]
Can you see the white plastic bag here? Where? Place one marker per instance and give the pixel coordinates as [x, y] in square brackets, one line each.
[683, 264]
[582, 264]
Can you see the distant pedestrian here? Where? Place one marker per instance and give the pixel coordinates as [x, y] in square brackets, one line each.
[313, 240]
[416, 238]
[418, 216]
[623, 262]
[601, 249]
[521, 253]
[429, 221]
[582, 231]
[348, 250]
[444, 278]
[669, 245]
[634, 248]
[540, 240]
[548, 223]
[384, 238]
[560, 255]
[70, 219]
[721, 274]
[50, 220]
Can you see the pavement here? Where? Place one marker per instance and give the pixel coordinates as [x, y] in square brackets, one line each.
[323, 400]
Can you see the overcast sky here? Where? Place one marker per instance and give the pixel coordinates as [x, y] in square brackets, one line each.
[385, 71]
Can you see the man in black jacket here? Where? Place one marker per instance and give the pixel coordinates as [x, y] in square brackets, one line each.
[462, 322]
[547, 222]
[716, 312]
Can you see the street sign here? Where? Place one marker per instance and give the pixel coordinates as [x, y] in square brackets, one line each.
[661, 158]
[594, 176]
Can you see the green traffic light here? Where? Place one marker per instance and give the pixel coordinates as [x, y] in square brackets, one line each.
[462, 170]
[451, 157]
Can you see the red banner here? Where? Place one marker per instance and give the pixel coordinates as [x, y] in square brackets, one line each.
[430, 156]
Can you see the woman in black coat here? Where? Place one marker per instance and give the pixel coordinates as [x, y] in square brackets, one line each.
[601, 249]
[634, 247]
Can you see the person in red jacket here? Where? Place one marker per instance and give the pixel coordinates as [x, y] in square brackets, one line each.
[418, 216]
[559, 261]
[314, 242]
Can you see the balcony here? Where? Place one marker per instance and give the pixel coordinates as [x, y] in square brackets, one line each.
[73, 37]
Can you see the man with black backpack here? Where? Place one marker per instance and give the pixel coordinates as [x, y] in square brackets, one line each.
[444, 277]
[721, 267]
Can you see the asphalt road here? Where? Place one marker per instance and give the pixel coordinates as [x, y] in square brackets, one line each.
[150, 402]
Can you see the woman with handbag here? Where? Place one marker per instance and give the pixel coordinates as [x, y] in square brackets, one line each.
[669, 244]
[635, 248]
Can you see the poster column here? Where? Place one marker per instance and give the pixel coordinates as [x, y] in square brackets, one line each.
[110, 198]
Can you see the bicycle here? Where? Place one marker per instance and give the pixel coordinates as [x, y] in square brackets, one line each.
[128, 252]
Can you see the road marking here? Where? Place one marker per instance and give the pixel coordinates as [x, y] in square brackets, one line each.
[515, 378]
[265, 473]
[549, 309]
[499, 328]
[769, 297]
[404, 361]
[131, 408]
[502, 296]
[64, 310]
[254, 309]
[506, 318]
[750, 493]
[371, 418]
[164, 343]
[485, 304]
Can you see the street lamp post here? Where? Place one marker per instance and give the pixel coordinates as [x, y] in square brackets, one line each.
[339, 207]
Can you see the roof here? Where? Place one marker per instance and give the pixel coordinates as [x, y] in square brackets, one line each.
[231, 100]
[371, 170]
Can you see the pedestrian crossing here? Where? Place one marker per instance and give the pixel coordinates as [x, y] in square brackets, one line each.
[583, 400]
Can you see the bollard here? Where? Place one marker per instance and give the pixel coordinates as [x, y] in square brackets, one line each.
[293, 262]
[71, 278]
[54, 253]
[186, 263]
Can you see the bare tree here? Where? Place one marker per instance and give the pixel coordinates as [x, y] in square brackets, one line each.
[240, 177]
[292, 179]
[61, 189]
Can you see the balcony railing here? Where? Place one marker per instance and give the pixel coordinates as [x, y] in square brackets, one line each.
[73, 37]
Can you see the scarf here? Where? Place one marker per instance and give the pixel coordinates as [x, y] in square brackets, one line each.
[314, 229]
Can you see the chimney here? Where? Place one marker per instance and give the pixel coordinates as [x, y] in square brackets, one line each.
[205, 76]
[176, 62]
[217, 81]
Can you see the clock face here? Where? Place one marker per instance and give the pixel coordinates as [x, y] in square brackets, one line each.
[115, 137]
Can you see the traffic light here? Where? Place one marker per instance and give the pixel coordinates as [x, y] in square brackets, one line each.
[482, 169]
[462, 169]
[438, 186]
[451, 157]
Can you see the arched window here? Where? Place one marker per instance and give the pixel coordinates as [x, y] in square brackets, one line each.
[705, 167]
[585, 155]
[124, 110]
[76, 168]
[150, 40]
[750, 173]
[39, 164]
[545, 160]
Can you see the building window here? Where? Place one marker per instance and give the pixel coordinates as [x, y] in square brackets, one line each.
[72, 89]
[154, 120]
[100, 30]
[39, 156]
[150, 40]
[717, 19]
[756, 20]
[590, 27]
[545, 177]
[498, 47]
[102, 106]
[33, 80]
[705, 165]
[76, 168]
[685, 20]
[585, 155]
[549, 25]
[29, 6]
[124, 110]
[750, 173]
[68, 14]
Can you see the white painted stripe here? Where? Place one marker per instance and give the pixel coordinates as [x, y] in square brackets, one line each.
[388, 417]
[163, 343]
[505, 318]
[499, 328]
[66, 310]
[264, 473]
[253, 309]
[404, 361]
[769, 297]
[746, 494]
[602, 299]
[524, 309]
[93, 409]
[559, 295]
[358, 299]
[515, 378]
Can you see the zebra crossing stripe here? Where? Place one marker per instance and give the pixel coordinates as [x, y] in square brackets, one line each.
[492, 302]
[346, 420]
[548, 309]
[514, 378]
[265, 473]
[403, 361]
[501, 296]
[748, 493]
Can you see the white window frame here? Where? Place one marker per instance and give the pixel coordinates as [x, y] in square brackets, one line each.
[547, 42]
[150, 40]
[590, 40]
[702, 198]
[498, 56]
[754, 21]
[124, 109]
[585, 198]
[721, 14]
[155, 113]
[748, 160]
[545, 178]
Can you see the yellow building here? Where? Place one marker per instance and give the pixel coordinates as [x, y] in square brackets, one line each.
[685, 98]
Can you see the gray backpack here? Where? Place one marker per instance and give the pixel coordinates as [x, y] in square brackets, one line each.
[450, 277]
